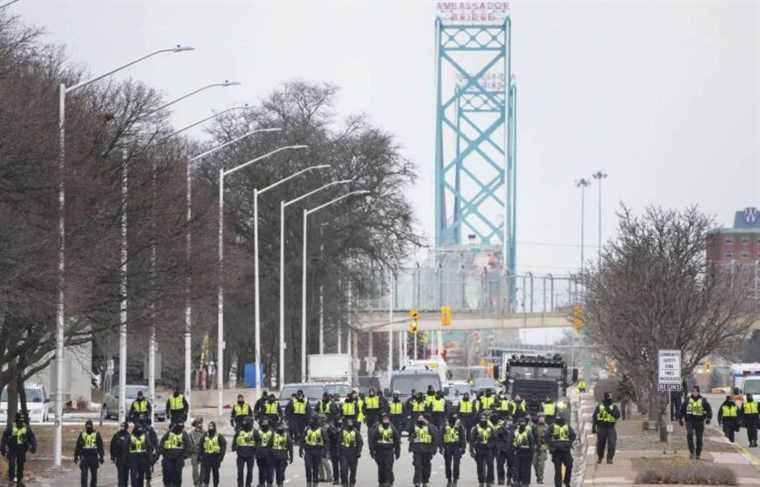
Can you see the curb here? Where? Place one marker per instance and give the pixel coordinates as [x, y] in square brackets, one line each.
[741, 449]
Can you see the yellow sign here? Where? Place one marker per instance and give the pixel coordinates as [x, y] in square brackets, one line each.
[445, 316]
[577, 318]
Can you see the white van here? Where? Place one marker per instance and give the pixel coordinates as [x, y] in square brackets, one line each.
[37, 402]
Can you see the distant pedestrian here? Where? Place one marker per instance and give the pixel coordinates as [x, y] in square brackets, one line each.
[542, 451]
[560, 437]
[140, 450]
[350, 445]
[312, 449]
[696, 411]
[453, 446]
[749, 413]
[297, 412]
[140, 410]
[89, 453]
[423, 444]
[213, 448]
[119, 450]
[177, 407]
[605, 416]
[16, 441]
[728, 418]
[523, 443]
[281, 454]
[244, 444]
[482, 450]
[174, 447]
[264, 446]
[196, 442]
[384, 448]
[241, 411]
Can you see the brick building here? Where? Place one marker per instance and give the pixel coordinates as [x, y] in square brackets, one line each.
[738, 245]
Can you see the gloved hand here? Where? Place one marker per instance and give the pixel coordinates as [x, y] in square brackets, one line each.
[300, 452]
[113, 460]
[76, 460]
[593, 429]
[708, 421]
[101, 460]
[372, 454]
[3, 452]
[472, 454]
[33, 449]
[680, 422]
[440, 450]
[398, 455]
[290, 459]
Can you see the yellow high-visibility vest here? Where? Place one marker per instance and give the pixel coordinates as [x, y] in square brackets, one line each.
[372, 402]
[521, 439]
[245, 438]
[419, 406]
[749, 407]
[549, 408]
[484, 434]
[19, 434]
[270, 409]
[451, 434]
[561, 433]
[241, 410]
[604, 416]
[397, 407]
[314, 437]
[385, 435]
[89, 440]
[279, 442]
[439, 405]
[348, 439]
[465, 407]
[422, 435]
[486, 402]
[265, 438]
[211, 445]
[137, 444]
[349, 409]
[729, 411]
[140, 406]
[695, 407]
[173, 442]
[299, 406]
[177, 403]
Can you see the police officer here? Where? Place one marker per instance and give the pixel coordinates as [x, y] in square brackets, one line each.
[119, 450]
[258, 406]
[280, 454]
[521, 407]
[351, 445]
[604, 419]
[140, 410]
[177, 407]
[523, 446]
[241, 411]
[486, 401]
[264, 457]
[696, 411]
[271, 410]
[196, 440]
[438, 409]
[397, 412]
[174, 447]
[481, 449]
[16, 441]
[311, 450]
[140, 451]
[350, 409]
[244, 444]
[467, 414]
[297, 412]
[549, 409]
[152, 454]
[582, 385]
[88, 453]
[334, 430]
[749, 414]
[373, 406]
[417, 406]
[502, 448]
[384, 446]
[213, 449]
[503, 408]
[560, 438]
[324, 406]
[540, 452]
[423, 443]
[454, 444]
[728, 418]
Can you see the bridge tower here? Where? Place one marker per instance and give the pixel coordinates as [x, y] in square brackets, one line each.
[475, 146]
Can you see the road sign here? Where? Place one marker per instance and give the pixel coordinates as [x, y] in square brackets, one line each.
[445, 315]
[669, 370]
[577, 318]
[370, 363]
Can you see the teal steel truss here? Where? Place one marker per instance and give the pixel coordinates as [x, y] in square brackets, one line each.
[475, 137]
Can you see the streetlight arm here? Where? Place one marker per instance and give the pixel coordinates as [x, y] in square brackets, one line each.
[9, 4]
[233, 141]
[82, 84]
[212, 85]
[339, 198]
[265, 156]
[212, 117]
[296, 174]
[304, 196]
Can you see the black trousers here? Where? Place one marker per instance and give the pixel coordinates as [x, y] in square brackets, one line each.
[172, 471]
[348, 465]
[751, 422]
[16, 463]
[122, 473]
[501, 457]
[178, 417]
[266, 468]
[451, 461]
[606, 437]
[523, 464]
[297, 425]
[729, 429]
[562, 458]
[209, 470]
[484, 465]
[138, 465]
[371, 418]
[88, 467]
[695, 428]
[278, 463]
[422, 465]
[335, 460]
[312, 458]
[245, 471]
[399, 422]
[384, 457]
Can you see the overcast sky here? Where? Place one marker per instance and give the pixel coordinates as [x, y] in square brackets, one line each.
[662, 95]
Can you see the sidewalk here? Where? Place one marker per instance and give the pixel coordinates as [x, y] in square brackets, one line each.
[639, 450]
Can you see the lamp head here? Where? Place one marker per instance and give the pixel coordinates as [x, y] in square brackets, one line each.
[181, 48]
[230, 83]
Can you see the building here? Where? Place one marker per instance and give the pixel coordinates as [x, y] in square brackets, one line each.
[738, 245]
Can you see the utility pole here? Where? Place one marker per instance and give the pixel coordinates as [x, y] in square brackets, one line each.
[583, 183]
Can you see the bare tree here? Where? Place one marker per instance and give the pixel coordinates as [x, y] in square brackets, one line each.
[655, 290]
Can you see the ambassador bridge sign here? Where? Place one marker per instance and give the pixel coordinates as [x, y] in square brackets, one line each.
[474, 12]
[669, 370]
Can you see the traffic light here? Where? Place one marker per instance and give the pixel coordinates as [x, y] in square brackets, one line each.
[445, 316]
[415, 324]
[577, 318]
[413, 314]
[412, 327]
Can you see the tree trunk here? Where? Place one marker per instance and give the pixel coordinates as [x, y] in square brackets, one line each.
[12, 393]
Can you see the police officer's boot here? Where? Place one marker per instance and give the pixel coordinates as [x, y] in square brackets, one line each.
[500, 481]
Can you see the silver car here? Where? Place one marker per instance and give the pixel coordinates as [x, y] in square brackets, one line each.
[111, 402]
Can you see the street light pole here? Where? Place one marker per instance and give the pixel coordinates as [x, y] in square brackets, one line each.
[63, 90]
[599, 176]
[306, 214]
[283, 205]
[220, 262]
[582, 183]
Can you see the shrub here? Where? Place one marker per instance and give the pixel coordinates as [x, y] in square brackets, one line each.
[691, 474]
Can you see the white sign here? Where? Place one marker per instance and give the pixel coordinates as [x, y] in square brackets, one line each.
[475, 12]
[669, 370]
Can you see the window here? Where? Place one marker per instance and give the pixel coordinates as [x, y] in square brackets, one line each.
[745, 240]
[728, 254]
[728, 241]
[745, 255]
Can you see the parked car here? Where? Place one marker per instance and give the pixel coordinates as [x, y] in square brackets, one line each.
[111, 401]
[37, 404]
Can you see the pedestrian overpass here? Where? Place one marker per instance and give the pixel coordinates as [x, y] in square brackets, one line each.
[383, 321]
